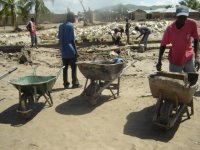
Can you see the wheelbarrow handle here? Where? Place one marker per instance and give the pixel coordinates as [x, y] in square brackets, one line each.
[126, 68]
[59, 71]
[7, 72]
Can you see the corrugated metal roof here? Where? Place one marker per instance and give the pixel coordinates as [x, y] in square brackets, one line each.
[166, 10]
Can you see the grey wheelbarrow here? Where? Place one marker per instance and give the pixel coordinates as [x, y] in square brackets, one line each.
[101, 75]
[174, 93]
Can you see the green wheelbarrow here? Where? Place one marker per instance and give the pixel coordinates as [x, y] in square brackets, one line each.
[31, 89]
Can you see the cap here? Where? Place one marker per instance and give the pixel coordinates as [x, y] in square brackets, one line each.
[182, 11]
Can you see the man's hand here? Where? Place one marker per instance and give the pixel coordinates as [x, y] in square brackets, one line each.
[159, 66]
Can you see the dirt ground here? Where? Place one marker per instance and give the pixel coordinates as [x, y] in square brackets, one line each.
[72, 124]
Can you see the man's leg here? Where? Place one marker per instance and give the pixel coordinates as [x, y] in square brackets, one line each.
[65, 73]
[127, 35]
[32, 40]
[190, 66]
[118, 41]
[36, 41]
[145, 38]
[114, 40]
[75, 82]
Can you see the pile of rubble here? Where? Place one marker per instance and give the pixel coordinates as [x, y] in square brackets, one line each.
[89, 33]
[101, 31]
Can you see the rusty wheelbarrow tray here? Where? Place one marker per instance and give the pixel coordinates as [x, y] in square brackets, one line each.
[101, 75]
[174, 93]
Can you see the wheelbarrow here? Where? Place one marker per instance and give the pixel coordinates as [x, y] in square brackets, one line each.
[101, 75]
[174, 93]
[31, 89]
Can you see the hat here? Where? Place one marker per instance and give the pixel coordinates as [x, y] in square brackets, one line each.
[182, 11]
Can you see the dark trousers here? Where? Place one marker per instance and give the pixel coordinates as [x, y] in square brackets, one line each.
[72, 63]
[116, 41]
[128, 36]
[145, 39]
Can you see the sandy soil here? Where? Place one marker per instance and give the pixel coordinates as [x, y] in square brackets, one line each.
[72, 124]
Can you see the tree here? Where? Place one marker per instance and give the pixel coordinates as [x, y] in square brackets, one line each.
[122, 10]
[40, 8]
[24, 9]
[11, 8]
[168, 6]
[8, 9]
[193, 4]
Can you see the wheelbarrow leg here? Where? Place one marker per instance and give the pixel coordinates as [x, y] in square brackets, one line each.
[187, 111]
[178, 114]
[192, 107]
[112, 93]
[86, 83]
[35, 94]
[20, 97]
[115, 86]
[118, 84]
[47, 100]
[49, 94]
[157, 108]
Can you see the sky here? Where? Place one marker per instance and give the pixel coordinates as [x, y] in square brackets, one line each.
[60, 6]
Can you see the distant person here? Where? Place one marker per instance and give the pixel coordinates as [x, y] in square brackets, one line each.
[128, 25]
[144, 31]
[121, 30]
[180, 33]
[68, 50]
[31, 27]
[116, 36]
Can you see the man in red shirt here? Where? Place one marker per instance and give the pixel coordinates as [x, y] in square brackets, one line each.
[182, 56]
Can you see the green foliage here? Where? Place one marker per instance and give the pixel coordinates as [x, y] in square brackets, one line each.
[11, 8]
[24, 10]
[40, 8]
[121, 9]
[168, 6]
[193, 4]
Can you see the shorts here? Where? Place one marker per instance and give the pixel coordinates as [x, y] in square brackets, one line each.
[187, 67]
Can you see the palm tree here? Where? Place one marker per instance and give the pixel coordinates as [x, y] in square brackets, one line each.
[194, 4]
[40, 8]
[10, 8]
[24, 9]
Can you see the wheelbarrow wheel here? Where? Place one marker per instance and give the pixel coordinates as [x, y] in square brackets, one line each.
[91, 93]
[166, 112]
[26, 105]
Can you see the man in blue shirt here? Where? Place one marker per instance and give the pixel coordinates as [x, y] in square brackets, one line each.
[68, 50]
[144, 31]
